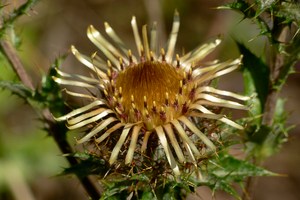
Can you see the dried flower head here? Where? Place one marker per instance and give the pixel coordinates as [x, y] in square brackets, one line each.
[155, 100]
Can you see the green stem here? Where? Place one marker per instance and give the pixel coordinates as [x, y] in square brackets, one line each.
[23, 9]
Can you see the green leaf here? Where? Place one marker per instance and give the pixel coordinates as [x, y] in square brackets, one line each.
[241, 6]
[265, 141]
[264, 5]
[279, 130]
[141, 186]
[115, 193]
[233, 169]
[228, 170]
[289, 12]
[249, 89]
[147, 195]
[259, 135]
[88, 165]
[222, 172]
[256, 74]
[17, 89]
[120, 186]
[226, 187]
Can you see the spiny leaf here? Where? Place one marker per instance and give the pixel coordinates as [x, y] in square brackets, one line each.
[249, 11]
[226, 187]
[289, 12]
[139, 187]
[88, 165]
[173, 190]
[255, 103]
[241, 6]
[258, 136]
[279, 130]
[17, 89]
[229, 170]
[115, 193]
[123, 187]
[264, 5]
[225, 170]
[233, 169]
[259, 74]
[264, 141]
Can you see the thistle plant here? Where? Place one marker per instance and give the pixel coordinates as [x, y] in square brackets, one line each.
[153, 124]
[149, 102]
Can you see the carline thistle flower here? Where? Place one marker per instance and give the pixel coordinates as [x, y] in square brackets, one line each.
[156, 97]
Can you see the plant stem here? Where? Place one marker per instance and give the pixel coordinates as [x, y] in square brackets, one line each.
[23, 9]
[52, 126]
[276, 64]
[14, 61]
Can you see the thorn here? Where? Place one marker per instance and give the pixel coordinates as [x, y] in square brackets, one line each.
[132, 99]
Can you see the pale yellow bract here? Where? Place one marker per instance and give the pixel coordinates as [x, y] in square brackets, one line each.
[155, 92]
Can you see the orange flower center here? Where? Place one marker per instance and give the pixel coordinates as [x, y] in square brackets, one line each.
[152, 80]
[151, 91]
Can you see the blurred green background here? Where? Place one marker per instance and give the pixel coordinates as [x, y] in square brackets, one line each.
[30, 161]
